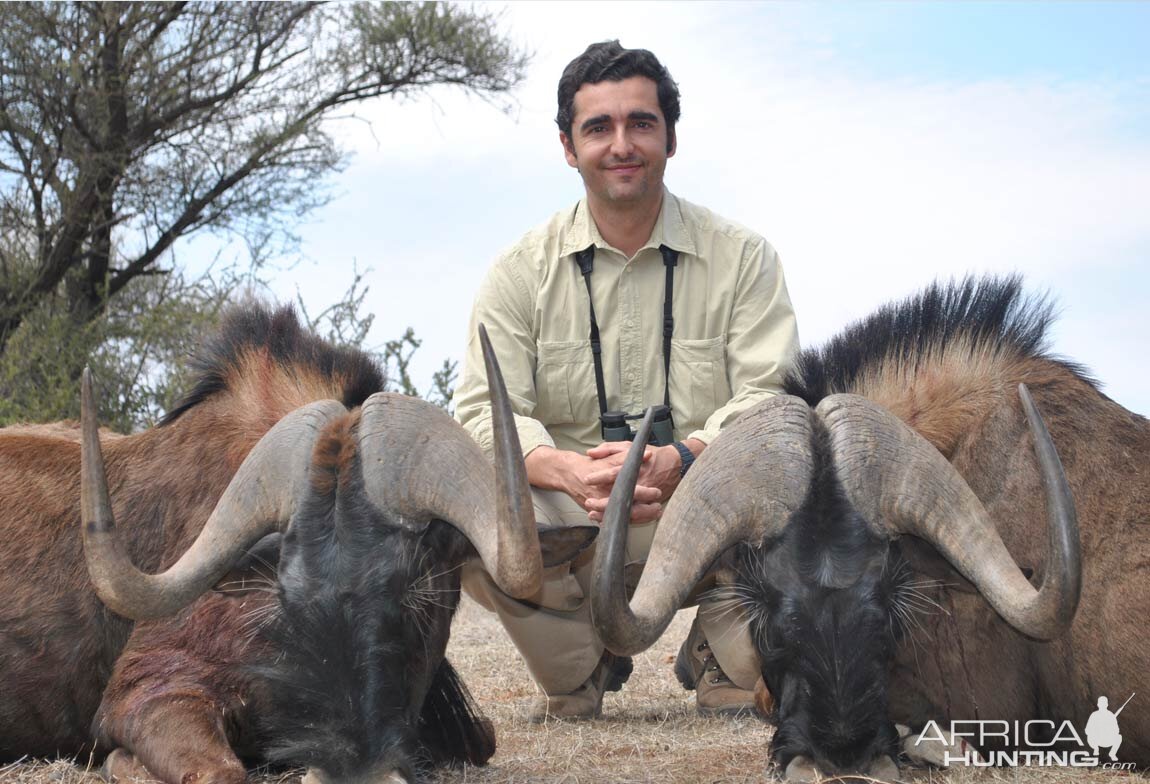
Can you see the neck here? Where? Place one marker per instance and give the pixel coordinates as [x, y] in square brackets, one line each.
[626, 227]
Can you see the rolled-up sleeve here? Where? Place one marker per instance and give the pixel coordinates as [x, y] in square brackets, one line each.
[762, 337]
[505, 306]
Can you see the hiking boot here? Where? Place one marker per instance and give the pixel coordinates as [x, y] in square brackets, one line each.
[697, 668]
[586, 702]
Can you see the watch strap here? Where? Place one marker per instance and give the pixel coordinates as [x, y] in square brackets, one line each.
[687, 456]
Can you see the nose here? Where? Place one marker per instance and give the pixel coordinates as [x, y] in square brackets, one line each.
[316, 776]
[804, 770]
[621, 144]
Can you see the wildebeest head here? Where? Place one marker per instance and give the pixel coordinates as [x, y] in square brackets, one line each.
[802, 508]
[378, 508]
[826, 584]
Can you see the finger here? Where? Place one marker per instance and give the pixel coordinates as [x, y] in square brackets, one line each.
[595, 504]
[640, 513]
[613, 448]
[645, 513]
[643, 495]
[646, 495]
[608, 448]
[605, 477]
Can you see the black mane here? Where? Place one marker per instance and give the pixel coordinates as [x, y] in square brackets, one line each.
[987, 314]
[280, 333]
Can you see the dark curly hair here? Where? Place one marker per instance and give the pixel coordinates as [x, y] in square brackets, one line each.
[608, 61]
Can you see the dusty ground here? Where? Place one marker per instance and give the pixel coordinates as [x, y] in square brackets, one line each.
[649, 731]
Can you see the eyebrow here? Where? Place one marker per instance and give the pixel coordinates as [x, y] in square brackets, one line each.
[600, 119]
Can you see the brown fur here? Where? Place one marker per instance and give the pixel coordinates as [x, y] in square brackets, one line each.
[968, 664]
[334, 456]
[61, 650]
[176, 697]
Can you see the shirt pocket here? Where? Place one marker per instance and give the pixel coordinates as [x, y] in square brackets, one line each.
[565, 382]
[698, 379]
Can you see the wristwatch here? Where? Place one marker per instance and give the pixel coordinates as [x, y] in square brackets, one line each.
[687, 456]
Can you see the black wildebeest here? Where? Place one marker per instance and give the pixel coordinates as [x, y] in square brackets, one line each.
[323, 649]
[879, 525]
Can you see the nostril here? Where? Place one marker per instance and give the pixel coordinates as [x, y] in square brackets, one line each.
[802, 770]
[884, 769]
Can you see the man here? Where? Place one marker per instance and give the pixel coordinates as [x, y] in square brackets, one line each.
[604, 269]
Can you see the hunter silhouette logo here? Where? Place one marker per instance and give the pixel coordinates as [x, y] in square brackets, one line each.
[1102, 728]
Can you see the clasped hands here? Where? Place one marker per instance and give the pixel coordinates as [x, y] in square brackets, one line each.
[589, 478]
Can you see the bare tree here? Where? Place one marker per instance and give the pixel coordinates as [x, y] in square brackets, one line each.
[125, 127]
[346, 323]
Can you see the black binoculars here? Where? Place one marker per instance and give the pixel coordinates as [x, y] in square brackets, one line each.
[614, 426]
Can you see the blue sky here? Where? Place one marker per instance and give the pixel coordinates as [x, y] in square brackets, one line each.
[878, 146]
[971, 40]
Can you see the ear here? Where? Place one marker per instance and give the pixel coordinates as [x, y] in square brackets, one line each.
[560, 544]
[569, 150]
[632, 573]
[925, 560]
[674, 142]
[254, 569]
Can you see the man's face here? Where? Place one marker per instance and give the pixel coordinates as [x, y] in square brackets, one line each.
[618, 141]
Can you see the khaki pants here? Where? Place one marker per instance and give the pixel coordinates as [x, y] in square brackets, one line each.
[553, 629]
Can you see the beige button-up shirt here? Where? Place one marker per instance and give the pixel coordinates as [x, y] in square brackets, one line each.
[734, 328]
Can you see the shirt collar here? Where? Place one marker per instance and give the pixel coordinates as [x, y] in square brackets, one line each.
[669, 230]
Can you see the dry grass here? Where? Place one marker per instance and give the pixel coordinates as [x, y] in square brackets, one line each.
[649, 731]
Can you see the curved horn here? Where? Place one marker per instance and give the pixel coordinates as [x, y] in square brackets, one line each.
[259, 499]
[743, 488]
[895, 478]
[420, 464]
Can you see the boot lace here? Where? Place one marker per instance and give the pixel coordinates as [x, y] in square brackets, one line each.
[711, 665]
